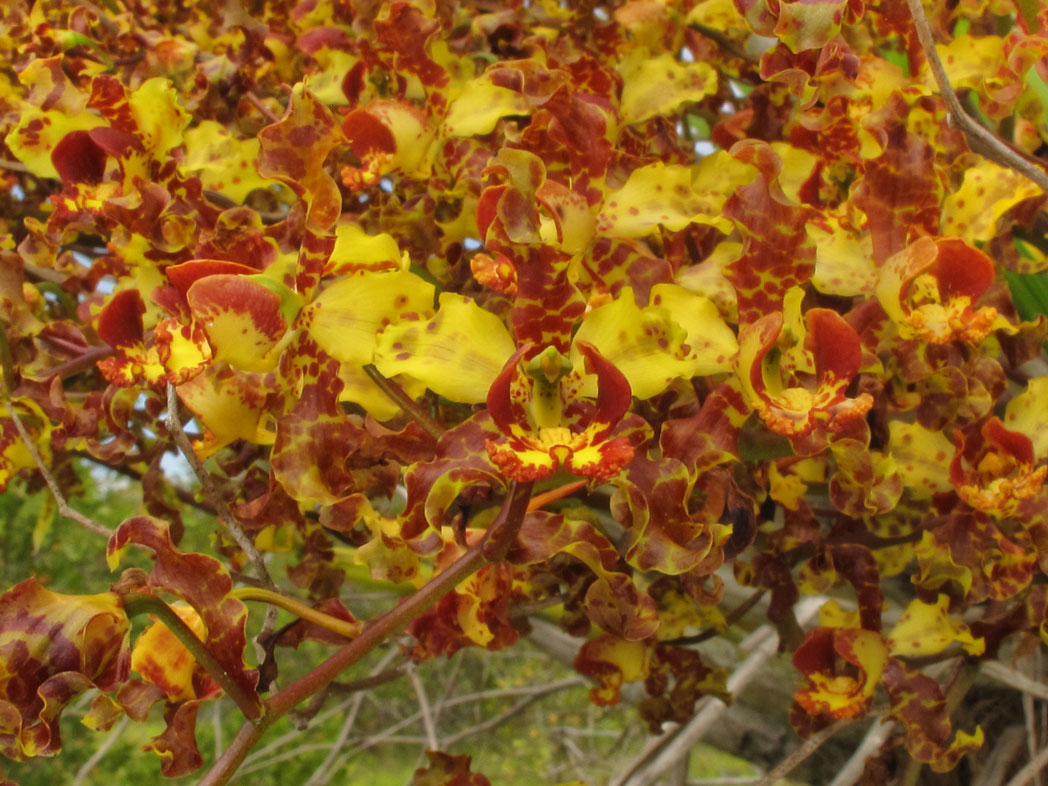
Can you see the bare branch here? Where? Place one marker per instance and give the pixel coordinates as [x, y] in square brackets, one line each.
[323, 772]
[396, 394]
[979, 139]
[1010, 677]
[507, 520]
[1030, 713]
[63, 506]
[806, 749]
[725, 43]
[258, 104]
[661, 753]
[14, 166]
[538, 692]
[1029, 772]
[424, 708]
[100, 751]
[871, 743]
[218, 502]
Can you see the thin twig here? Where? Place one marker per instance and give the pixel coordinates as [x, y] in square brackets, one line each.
[523, 690]
[323, 773]
[388, 735]
[1030, 714]
[725, 43]
[504, 716]
[216, 726]
[257, 103]
[397, 395]
[100, 751]
[376, 632]
[424, 708]
[734, 616]
[14, 166]
[143, 603]
[381, 678]
[82, 362]
[806, 749]
[207, 485]
[979, 139]
[8, 363]
[450, 685]
[1027, 773]
[63, 506]
[184, 495]
[662, 751]
[1010, 677]
[852, 770]
[258, 760]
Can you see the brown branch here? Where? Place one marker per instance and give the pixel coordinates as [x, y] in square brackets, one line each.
[87, 359]
[184, 495]
[396, 394]
[1027, 773]
[88, 766]
[258, 104]
[14, 166]
[141, 603]
[374, 634]
[8, 363]
[322, 773]
[734, 616]
[806, 749]
[428, 723]
[56, 492]
[998, 671]
[211, 493]
[725, 43]
[979, 139]
[539, 692]
[365, 683]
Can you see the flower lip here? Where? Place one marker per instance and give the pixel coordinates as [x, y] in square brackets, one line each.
[537, 440]
[929, 288]
[843, 667]
[994, 471]
[794, 401]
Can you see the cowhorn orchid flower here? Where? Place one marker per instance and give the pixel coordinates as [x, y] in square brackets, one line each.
[795, 374]
[545, 408]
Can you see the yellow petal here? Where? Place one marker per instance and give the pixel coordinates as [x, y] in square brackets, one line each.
[356, 250]
[1027, 413]
[223, 162]
[160, 658]
[713, 344]
[646, 345]
[480, 106]
[347, 316]
[674, 196]
[160, 119]
[926, 629]
[988, 191]
[457, 354]
[659, 85]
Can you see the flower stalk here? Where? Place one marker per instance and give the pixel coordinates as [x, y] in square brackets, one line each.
[141, 603]
[507, 523]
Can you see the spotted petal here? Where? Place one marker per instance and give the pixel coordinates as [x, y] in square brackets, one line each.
[457, 354]
[53, 647]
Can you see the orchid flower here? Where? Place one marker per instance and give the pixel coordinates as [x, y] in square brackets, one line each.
[993, 471]
[929, 289]
[795, 375]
